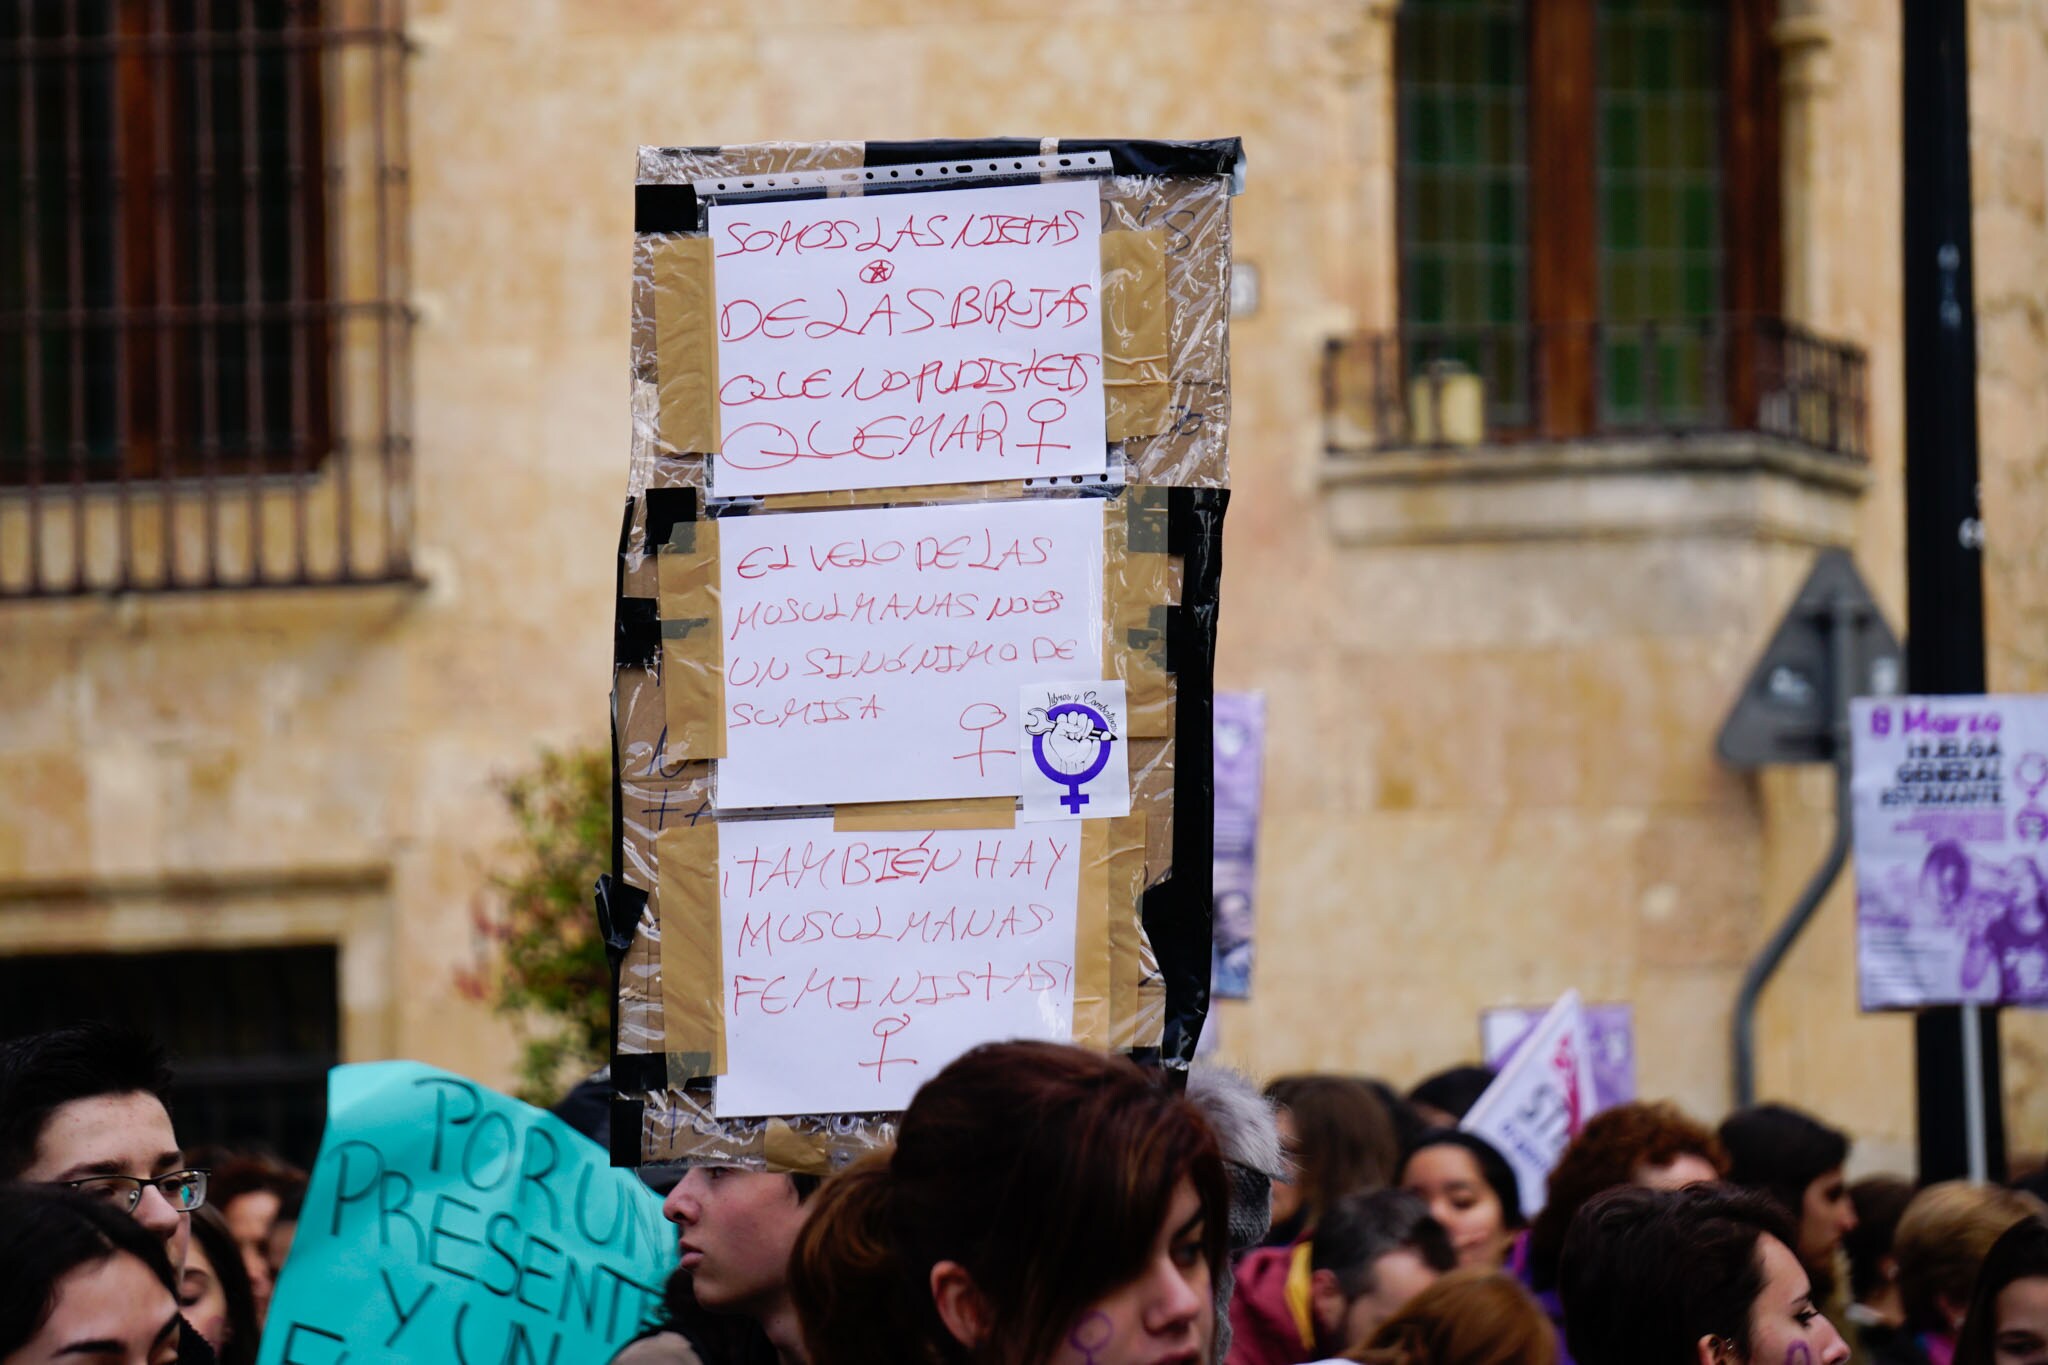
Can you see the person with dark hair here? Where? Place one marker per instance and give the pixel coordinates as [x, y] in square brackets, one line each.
[1326, 1296]
[82, 1281]
[1795, 1160]
[684, 1332]
[1443, 1100]
[1943, 1238]
[1465, 1318]
[1875, 1310]
[83, 1107]
[1372, 1254]
[1339, 1138]
[1471, 1190]
[250, 1189]
[284, 1230]
[735, 1231]
[213, 1293]
[1704, 1275]
[1043, 1203]
[1409, 1125]
[2007, 1321]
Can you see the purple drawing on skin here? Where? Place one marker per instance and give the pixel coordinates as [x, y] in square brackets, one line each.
[1798, 1354]
[1093, 1332]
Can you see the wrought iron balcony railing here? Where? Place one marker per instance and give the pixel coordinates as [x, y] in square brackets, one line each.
[205, 379]
[1424, 388]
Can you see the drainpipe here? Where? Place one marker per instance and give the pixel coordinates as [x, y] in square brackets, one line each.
[1841, 625]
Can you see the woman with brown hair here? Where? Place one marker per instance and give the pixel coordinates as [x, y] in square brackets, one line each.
[1043, 1205]
[1943, 1239]
[1654, 1145]
[1341, 1140]
[1468, 1317]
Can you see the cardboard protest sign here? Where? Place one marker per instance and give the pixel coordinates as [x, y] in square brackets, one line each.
[858, 965]
[875, 655]
[1950, 799]
[1073, 751]
[1540, 1100]
[908, 339]
[927, 436]
[1240, 765]
[446, 1222]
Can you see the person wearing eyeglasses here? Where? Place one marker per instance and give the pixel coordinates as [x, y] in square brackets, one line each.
[82, 1108]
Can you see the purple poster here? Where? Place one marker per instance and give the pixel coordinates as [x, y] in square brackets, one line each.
[1240, 755]
[1951, 809]
[1610, 1029]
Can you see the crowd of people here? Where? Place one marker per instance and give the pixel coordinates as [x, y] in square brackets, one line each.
[1048, 1205]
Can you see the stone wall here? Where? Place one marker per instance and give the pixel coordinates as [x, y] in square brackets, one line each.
[1490, 774]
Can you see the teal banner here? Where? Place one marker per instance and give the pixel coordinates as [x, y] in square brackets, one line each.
[448, 1223]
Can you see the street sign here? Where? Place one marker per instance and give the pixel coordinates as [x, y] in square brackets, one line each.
[1786, 711]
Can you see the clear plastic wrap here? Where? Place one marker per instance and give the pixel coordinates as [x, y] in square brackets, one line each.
[1166, 284]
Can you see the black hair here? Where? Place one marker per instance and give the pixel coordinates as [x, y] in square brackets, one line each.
[45, 1234]
[1454, 1090]
[43, 1071]
[1778, 1151]
[1408, 1125]
[2020, 1253]
[1879, 1201]
[717, 1338]
[210, 1231]
[1361, 1228]
[1493, 1167]
[1646, 1273]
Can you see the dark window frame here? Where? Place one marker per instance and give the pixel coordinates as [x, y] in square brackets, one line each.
[1564, 315]
[181, 351]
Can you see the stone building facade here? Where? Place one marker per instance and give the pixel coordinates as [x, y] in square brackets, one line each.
[1494, 675]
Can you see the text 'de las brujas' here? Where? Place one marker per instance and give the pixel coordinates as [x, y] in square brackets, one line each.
[876, 654]
[944, 337]
[857, 965]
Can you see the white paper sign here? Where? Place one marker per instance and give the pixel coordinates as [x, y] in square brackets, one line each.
[1073, 751]
[1951, 808]
[1541, 1100]
[875, 655]
[857, 965]
[896, 339]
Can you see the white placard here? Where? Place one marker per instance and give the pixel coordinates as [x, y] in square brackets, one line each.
[1540, 1100]
[857, 965]
[947, 337]
[876, 655]
[1073, 751]
[1951, 812]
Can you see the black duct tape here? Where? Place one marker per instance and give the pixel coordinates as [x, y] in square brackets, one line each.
[619, 908]
[638, 635]
[639, 1071]
[619, 639]
[1219, 156]
[664, 208]
[626, 1122]
[666, 507]
[1178, 911]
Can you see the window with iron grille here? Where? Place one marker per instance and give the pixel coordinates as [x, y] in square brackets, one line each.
[251, 1031]
[203, 341]
[1589, 208]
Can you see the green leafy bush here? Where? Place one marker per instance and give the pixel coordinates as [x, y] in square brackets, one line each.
[547, 970]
